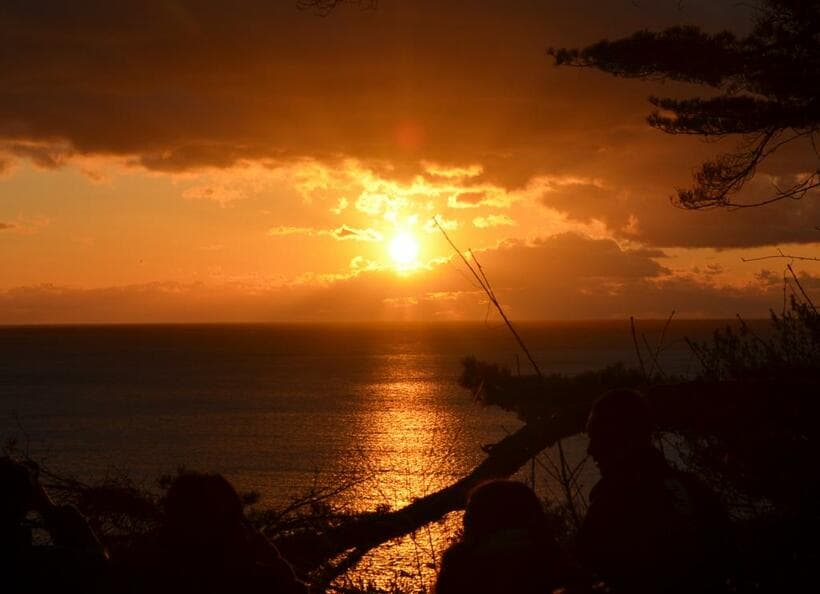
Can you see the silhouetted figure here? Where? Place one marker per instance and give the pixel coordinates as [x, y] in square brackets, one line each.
[506, 546]
[650, 527]
[206, 545]
[74, 560]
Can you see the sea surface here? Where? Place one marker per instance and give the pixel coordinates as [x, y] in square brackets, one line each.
[281, 408]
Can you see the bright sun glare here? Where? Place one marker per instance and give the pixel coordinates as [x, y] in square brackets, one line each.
[404, 249]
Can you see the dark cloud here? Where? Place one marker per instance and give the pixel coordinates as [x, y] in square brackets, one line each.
[808, 281]
[768, 277]
[178, 84]
[569, 256]
[789, 222]
[46, 156]
[633, 198]
[189, 82]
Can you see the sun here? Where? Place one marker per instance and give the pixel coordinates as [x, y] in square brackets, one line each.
[404, 249]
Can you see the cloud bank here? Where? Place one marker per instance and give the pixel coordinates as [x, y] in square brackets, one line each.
[609, 283]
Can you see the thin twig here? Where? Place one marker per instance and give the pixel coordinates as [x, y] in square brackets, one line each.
[746, 328]
[479, 274]
[480, 277]
[696, 352]
[799, 286]
[566, 484]
[785, 289]
[663, 333]
[637, 348]
[653, 356]
[781, 255]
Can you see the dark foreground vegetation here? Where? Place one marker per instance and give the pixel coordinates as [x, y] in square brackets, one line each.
[739, 442]
[746, 427]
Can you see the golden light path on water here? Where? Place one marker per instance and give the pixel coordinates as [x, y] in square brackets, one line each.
[413, 444]
[410, 441]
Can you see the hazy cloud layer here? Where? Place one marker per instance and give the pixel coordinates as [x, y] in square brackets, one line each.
[609, 282]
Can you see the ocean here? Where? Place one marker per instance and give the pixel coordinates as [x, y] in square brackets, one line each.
[279, 408]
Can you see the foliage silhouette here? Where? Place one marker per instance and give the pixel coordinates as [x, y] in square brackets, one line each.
[765, 87]
[533, 398]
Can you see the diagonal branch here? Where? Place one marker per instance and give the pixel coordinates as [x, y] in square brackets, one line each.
[485, 284]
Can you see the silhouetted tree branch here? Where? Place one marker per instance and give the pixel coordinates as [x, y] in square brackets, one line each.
[700, 407]
[767, 83]
[780, 255]
[365, 532]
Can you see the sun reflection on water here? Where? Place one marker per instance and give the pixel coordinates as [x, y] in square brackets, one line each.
[410, 442]
[407, 449]
[410, 446]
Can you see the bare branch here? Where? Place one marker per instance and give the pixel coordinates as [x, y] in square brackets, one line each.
[482, 280]
[781, 255]
[653, 356]
[637, 348]
[565, 478]
[800, 286]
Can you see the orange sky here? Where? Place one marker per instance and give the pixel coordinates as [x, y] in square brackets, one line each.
[180, 161]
